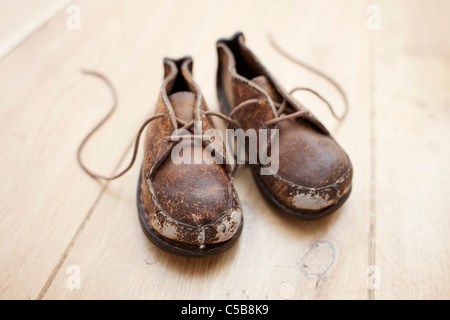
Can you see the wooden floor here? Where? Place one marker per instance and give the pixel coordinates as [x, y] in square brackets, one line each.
[66, 236]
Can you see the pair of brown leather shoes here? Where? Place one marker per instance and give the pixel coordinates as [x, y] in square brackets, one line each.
[192, 209]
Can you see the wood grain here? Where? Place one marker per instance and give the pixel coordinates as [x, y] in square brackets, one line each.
[20, 18]
[53, 216]
[307, 261]
[412, 116]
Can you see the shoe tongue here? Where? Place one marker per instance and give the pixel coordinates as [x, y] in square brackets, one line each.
[265, 84]
[183, 104]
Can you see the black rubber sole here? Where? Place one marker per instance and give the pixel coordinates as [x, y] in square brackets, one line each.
[174, 247]
[298, 214]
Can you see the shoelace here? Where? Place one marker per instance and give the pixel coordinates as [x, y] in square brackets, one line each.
[302, 64]
[184, 125]
[281, 107]
[282, 114]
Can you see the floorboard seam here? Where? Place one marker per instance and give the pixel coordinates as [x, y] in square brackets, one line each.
[33, 32]
[372, 188]
[80, 229]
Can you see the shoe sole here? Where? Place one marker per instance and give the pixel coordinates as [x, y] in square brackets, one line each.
[174, 247]
[298, 214]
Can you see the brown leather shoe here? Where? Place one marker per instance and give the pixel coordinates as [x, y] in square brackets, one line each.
[187, 209]
[315, 174]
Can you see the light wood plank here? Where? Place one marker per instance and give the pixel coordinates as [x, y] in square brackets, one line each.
[47, 107]
[412, 97]
[274, 252]
[397, 221]
[20, 18]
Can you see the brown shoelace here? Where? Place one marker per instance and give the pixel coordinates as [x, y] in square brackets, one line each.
[184, 125]
[321, 74]
[282, 114]
[281, 108]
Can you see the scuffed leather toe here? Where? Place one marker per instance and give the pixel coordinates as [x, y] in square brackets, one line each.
[203, 211]
[186, 208]
[314, 173]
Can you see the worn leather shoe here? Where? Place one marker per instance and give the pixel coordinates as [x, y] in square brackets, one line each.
[189, 209]
[315, 174]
